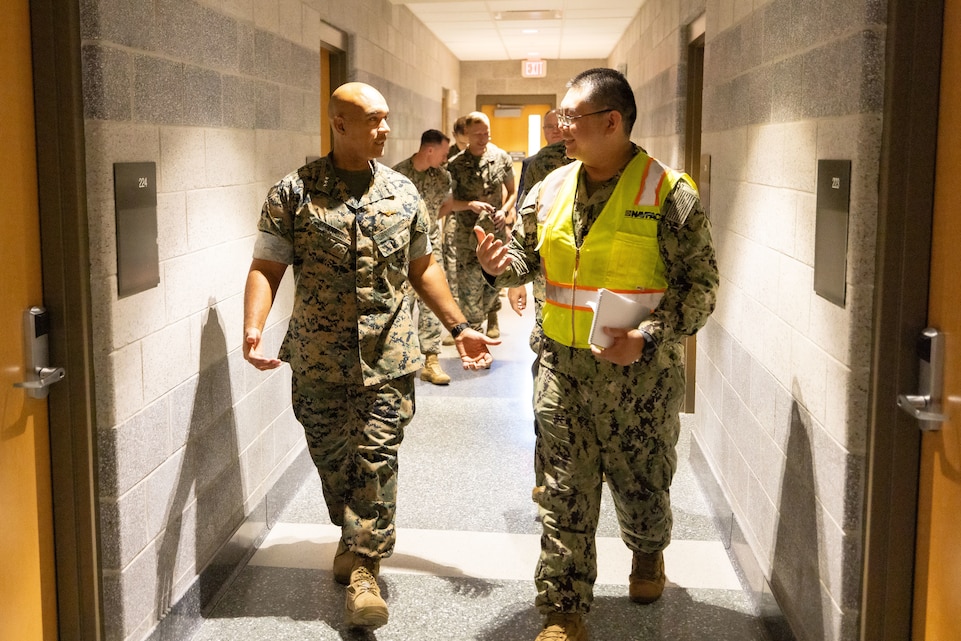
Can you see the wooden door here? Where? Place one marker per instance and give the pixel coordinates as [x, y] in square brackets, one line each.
[510, 133]
[27, 576]
[937, 600]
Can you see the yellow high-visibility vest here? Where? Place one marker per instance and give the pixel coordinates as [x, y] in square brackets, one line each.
[619, 253]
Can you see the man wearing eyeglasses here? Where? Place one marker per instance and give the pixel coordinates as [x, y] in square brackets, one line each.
[620, 220]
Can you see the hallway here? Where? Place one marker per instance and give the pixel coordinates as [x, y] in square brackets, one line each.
[468, 538]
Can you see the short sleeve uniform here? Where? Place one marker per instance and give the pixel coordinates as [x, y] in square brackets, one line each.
[349, 323]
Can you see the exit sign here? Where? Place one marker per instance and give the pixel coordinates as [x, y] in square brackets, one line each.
[534, 69]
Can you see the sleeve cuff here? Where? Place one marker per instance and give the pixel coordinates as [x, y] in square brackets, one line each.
[270, 247]
[649, 343]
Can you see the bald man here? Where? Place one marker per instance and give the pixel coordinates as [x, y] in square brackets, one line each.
[356, 233]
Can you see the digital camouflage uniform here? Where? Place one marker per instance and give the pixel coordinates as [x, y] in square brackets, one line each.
[599, 419]
[535, 170]
[477, 178]
[449, 252]
[434, 187]
[351, 342]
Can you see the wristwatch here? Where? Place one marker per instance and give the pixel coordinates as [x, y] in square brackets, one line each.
[456, 330]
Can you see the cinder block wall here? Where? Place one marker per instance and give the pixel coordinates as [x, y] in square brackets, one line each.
[782, 374]
[224, 96]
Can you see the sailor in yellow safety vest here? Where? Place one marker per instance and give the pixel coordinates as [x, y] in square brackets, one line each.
[619, 220]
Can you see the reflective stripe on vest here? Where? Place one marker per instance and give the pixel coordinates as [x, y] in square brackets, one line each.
[566, 296]
[620, 251]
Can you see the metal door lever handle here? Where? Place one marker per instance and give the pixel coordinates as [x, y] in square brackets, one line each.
[45, 376]
[917, 406]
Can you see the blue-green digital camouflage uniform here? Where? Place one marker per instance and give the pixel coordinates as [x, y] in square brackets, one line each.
[351, 341]
[535, 170]
[434, 187]
[599, 419]
[477, 178]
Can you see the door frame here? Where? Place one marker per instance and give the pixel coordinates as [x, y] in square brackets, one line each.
[905, 215]
[58, 104]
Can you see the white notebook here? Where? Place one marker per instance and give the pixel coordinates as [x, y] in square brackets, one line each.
[613, 310]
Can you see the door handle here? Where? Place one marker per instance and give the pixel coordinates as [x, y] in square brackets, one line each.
[925, 406]
[45, 376]
[917, 406]
[36, 327]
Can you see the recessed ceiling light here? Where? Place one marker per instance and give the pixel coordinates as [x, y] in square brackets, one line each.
[529, 31]
[528, 15]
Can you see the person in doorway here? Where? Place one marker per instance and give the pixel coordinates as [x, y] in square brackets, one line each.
[356, 233]
[425, 169]
[482, 175]
[615, 218]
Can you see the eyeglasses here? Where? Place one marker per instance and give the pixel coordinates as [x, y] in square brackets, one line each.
[566, 120]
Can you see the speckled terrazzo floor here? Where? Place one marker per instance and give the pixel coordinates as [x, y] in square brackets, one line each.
[468, 538]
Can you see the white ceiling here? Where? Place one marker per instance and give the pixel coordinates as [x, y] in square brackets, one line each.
[524, 29]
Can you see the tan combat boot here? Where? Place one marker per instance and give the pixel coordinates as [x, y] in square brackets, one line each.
[563, 626]
[343, 563]
[432, 372]
[364, 606]
[493, 331]
[647, 577]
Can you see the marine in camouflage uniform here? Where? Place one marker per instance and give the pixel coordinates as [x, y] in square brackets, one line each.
[351, 342]
[449, 251]
[434, 186]
[356, 234]
[477, 178]
[595, 416]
